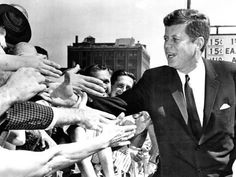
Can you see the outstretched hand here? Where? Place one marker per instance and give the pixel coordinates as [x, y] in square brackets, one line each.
[93, 118]
[118, 135]
[87, 84]
[45, 66]
[63, 95]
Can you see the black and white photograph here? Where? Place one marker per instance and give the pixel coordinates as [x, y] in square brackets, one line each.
[117, 88]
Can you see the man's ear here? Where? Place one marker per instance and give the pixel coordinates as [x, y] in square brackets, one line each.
[199, 42]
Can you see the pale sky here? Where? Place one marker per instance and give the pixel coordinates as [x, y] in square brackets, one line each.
[55, 23]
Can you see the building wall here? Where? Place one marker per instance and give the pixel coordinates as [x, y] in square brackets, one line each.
[131, 58]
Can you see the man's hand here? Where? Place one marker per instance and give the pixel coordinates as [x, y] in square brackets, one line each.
[151, 168]
[136, 154]
[87, 84]
[118, 135]
[63, 95]
[93, 118]
[45, 66]
[24, 84]
[142, 120]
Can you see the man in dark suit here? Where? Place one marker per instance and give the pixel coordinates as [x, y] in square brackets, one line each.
[194, 120]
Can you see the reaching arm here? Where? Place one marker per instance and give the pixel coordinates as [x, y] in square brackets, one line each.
[84, 83]
[13, 63]
[30, 115]
[131, 101]
[60, 156]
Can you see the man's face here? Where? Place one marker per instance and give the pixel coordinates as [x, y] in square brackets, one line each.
[122, 84]
[105, 77]
[179, 48]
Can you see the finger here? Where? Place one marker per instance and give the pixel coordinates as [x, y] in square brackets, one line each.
[51, 63]
[49, 80]
[41, 88]
[93, 92]
[74, 70]
[98, 128]
[107, 121]
[49, 71]
[84, 99]
[47, 90]
[77, 90]
[46, 66]
[91, 86]
[46, 97]
[52, 69]
[43, 143]
[107, 115]
[128, 128]
[120, 118]
[93, 80]
[45, 93]
[127, 136]
[122, 143]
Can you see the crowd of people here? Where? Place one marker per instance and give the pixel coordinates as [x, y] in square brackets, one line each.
[37, 97]
[176, 121]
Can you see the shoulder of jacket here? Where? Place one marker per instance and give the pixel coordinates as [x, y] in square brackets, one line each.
[160, 69]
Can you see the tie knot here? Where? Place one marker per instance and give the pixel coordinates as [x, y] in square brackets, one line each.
[187, 78]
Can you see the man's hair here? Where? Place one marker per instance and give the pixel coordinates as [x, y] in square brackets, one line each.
[119, 73]
[92, 69]
[198, 24]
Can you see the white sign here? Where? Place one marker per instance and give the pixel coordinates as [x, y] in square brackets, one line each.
[221, 47]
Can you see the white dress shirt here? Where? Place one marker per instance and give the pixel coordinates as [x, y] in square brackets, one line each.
[197, 83]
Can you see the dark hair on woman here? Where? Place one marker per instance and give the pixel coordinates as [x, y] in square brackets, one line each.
[119, 73]
[198, 24]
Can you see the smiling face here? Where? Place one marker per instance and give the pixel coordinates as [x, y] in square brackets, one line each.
[181, 51]
[122, 84]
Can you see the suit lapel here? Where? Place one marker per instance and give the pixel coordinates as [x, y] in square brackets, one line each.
[177, 93]
[179, 100]
[211, 89]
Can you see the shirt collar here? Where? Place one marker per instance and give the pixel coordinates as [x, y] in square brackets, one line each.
[194, 74]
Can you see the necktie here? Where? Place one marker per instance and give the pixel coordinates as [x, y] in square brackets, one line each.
[193, 119]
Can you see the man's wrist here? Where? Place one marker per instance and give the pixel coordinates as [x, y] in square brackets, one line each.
[67, 116]
[103, 142]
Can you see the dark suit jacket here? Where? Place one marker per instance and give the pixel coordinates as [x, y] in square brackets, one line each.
[26, 115]
[160, 93]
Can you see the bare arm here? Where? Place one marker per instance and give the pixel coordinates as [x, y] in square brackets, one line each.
[30, 115]
[84, 115]
[60, 156]
[13, 63]
[154, 152]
